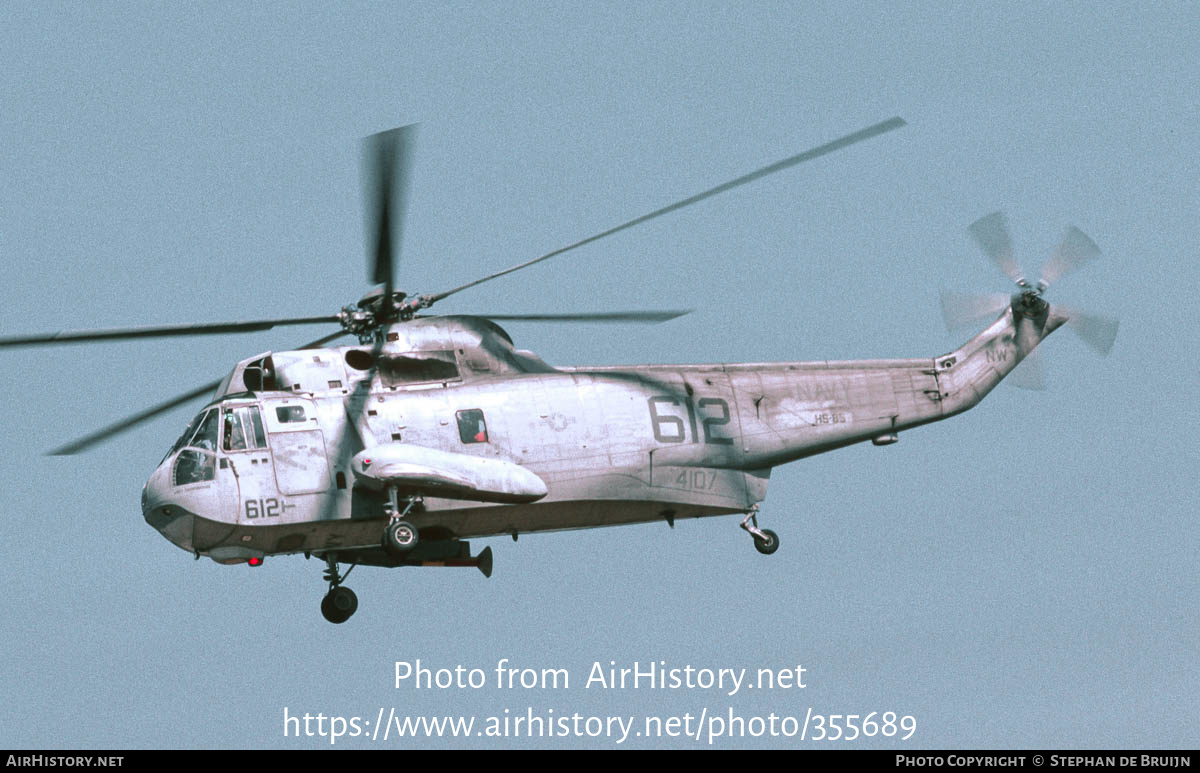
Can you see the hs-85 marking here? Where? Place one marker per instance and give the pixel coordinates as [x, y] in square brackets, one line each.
[435, 429]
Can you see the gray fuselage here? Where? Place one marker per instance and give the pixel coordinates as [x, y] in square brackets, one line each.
[614, 445]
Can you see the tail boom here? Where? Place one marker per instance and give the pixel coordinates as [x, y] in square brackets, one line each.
[966, 375]
[791, 411]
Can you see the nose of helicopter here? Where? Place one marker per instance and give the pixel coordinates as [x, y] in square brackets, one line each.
[169, 509]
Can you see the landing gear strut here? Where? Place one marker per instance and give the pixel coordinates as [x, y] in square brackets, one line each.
[765, 540]
[339, 603]
[400, 536]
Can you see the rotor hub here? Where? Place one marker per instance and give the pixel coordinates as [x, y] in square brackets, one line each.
[374, 297]
[377, 309]
[1029, 303]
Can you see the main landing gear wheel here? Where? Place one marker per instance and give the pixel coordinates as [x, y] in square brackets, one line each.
[765, 540]
[768, 543]
[400, 537]
[339, 604]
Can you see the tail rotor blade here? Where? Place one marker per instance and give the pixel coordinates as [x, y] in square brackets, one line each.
[1075, 250]
[1029, 373]
[1096, 331]
[991, 234]
[964, 309]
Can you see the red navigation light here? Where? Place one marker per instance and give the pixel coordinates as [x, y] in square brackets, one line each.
[255, 561]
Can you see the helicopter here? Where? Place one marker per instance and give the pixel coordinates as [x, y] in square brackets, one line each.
[432, 430]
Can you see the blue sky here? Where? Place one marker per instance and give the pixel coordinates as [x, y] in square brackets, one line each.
[1020, 576]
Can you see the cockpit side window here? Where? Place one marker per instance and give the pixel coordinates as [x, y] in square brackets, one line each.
[233, 432]
[256, 426]
[242, 428]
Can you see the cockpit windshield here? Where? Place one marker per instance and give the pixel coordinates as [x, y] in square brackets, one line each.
[238, 427]
[206, 434]
[240, 430]
[192, 426]
[196, 466]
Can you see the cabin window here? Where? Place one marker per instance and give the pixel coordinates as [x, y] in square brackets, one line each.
[242, 429]
[471, 426]
[288, 414]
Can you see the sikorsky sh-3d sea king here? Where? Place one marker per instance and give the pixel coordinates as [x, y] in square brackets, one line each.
[435, 429]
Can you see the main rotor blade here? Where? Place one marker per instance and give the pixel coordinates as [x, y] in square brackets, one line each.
[386, 163]
[647, 317]
[1075, 250]
[1094, 330]
[100, 435]
[343, 448]
[217, 328]
[991, 234]
[965, 309]
[129, 422]
[808, 155]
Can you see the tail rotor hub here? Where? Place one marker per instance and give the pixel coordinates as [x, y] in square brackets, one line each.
[1028, 302]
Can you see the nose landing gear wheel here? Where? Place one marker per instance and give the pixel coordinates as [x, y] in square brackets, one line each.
[768, 543]
[339, 604]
